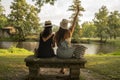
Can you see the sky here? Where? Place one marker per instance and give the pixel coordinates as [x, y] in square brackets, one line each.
[60, 9]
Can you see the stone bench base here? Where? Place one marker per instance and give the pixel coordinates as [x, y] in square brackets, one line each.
[34, 64]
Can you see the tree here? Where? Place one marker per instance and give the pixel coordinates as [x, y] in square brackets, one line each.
[32, 20]
[88, 29]
[1, 8]
[55, 28]
[76, 34]
[41, 3]
[114, 24]
[3, 18]
[24, 16]
[101, 22]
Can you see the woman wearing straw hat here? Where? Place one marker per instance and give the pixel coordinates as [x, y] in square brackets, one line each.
[63, 39]
[46, 42]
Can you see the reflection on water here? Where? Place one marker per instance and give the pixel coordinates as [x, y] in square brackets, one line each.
[92, 48]
[28, 45]
[107, 48]
[6, 45]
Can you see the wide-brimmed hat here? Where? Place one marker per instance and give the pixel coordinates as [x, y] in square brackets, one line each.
[64, 24]
[48, 23]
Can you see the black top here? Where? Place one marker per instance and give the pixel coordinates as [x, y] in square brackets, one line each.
[45, 49]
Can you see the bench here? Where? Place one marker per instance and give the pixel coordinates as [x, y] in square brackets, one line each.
[34, 64]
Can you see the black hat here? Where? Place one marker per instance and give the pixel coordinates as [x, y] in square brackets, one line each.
[48, 23]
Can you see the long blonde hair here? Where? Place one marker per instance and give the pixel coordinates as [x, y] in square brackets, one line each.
[61, 35]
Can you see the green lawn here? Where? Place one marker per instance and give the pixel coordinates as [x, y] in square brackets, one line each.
[106, 65]
[12, 66]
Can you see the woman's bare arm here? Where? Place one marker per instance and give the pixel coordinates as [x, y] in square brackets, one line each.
[74, 21]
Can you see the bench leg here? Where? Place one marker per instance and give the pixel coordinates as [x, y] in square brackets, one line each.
[33, 73]
[74, 73]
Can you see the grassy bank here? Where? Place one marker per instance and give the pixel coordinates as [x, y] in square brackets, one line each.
[106, 65]
[12, 66]
[116, 42]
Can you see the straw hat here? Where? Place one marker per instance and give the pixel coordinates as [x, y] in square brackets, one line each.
[64, 24]
[48, 24]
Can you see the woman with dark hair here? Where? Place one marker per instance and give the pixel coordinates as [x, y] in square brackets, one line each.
[46, 43]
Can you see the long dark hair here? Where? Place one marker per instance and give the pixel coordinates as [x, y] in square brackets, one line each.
[46, 32]
[60, 35]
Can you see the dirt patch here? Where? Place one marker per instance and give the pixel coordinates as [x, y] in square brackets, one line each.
[85, 74]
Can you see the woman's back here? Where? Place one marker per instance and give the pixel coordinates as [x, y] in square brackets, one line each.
[46, 43]
[45, 49]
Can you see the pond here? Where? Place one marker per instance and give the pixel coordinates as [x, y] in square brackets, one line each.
[93, 48]
[96, 48]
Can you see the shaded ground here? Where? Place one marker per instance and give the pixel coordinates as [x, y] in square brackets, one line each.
[90, 75]
[85, 74]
